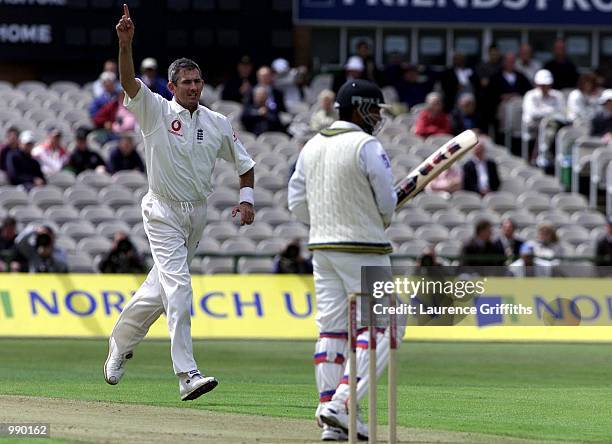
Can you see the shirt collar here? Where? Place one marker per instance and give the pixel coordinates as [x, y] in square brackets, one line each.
[178, 108]
[343, 124]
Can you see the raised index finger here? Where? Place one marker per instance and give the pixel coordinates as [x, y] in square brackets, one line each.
[126, 10]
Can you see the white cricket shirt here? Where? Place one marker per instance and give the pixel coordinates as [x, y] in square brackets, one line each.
[181, 149]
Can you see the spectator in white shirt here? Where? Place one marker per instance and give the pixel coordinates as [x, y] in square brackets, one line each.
[583, 102]
[526, 63]
[51, 154]
[539, 103]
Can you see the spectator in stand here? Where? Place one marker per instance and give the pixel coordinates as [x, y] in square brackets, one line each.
[449, 181]
[82, 158]
[480, 250]
[125, 157]
[428, 258]
[21, 167]
[370, 70]
[291, 261]
[458, 80]
[37, 246]
[276, 99]
[508, 242]
[541, 102]
[239, 87]
[547, 245]
[432, 119]
[488, 69]
[526, 63]
[257, 117]
[51, 154]
[109, 66]
[465, 116]
[288, 80]
[11, 144]
[480, 173]
[528, 265]
[10, 259]
[603, 246]
[115, 118]
[326, 114]
[108, 81]
[583, 102]
[564, 72]
[123, 257]
[411, 90]
[505, 85]
[155, 82]
[601, 125]
[354, 69]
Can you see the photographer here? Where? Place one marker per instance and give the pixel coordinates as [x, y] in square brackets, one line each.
[122, 258]
[37, 245]
[291, 261]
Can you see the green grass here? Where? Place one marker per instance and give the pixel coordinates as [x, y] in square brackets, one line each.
[540, 391]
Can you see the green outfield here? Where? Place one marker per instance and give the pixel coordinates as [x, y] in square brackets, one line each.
[536, 391]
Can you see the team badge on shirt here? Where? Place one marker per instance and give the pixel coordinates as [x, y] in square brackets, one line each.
[200, 135]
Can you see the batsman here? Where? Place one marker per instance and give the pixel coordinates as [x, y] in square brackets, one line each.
[343, 188]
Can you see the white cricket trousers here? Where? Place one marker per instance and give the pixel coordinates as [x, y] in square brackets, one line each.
[336, 274]
[174, 230]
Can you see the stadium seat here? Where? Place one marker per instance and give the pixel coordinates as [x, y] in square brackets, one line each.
[130, 214]
[274, 216]
[220, 231]
[208, 245]
[288, 148]
[3, 179]
[77, 96]
[432, 233]
[272, 183]
[596, 233]
[80, 196]
[142, 245]
[588, 220]
[28, 86]
[138, 231]
[449, 218]
[269, 160]
[264, 198]
[248, 265]
[38, 115]
[423, 150]
[573, 235]
[61, 87]
[478, 215]
[431, 202]
[520, 218]
[438, 140]
[11, 197]
[130, 179]
[238, 246]
[217, 265]
[26, 214]
[272, 138]
[586, 249]
[582, 150]
[97, 214]
[291, 230]
[271, 246]
[227, 108]
[408, 161]
[466, 201]
[414, 217]
[406, 140]
[61, 213]
[94, 179]
[499, 201]
[529, 233]
[116, 197]
[109, 228]
[533, 203]
[62, 179]
[46, 197]
[400, 233]
[462, 233]
[74, 115]
[413, 248]
[557, 218]
[80, 262]
[569, 202]
[600, 159]
[78, 230]
[94, 245]
[449, 248]
[227, 180]
[256, 232]
[66, 243]
[514, 185]
[8, 114]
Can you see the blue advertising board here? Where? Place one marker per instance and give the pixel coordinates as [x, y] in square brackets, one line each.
[486, 12]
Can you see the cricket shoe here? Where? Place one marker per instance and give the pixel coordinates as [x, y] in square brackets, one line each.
[192, 385]
[335, 414]
[114, 367]
[330, 433]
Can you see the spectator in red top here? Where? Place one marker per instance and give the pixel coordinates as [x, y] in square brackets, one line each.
[51, 154]
[432, 120]
[115, 117]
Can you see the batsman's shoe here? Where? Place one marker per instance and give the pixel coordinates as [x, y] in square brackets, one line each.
[114, 367]
[192, 385]
[335, 414]
[330, 433]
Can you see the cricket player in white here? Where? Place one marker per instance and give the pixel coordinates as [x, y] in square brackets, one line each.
[182, 142]
[343, 188]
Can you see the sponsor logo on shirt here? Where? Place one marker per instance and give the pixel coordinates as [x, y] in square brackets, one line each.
[200, 135]
[175, 127]
[385, 160]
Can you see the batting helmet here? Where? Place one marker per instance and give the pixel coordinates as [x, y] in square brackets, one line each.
[365, 97]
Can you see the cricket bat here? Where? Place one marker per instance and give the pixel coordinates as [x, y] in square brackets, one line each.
[440, 160]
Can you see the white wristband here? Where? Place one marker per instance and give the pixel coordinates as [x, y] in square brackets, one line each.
[247, 195]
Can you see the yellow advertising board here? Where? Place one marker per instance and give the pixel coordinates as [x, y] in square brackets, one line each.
[277, 307]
